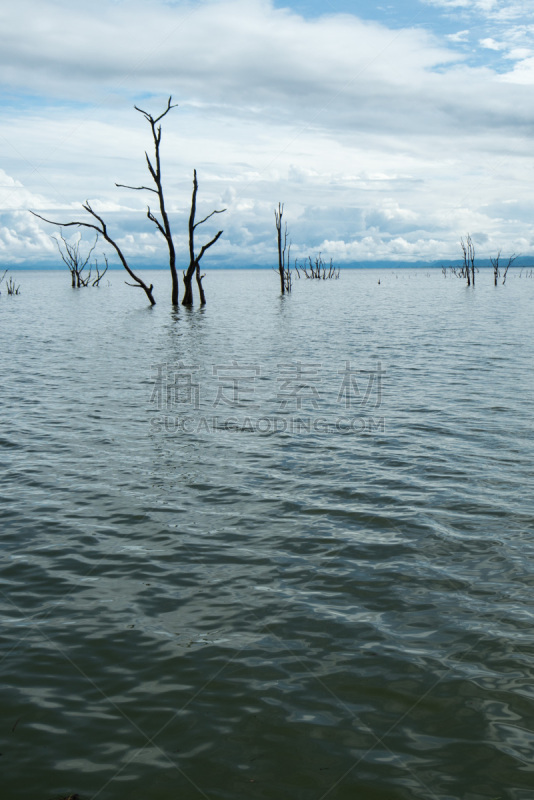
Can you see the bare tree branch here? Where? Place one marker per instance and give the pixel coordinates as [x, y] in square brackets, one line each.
[156, 221]
[150, 118]
[102, 229]
[136, 188]
[202, 221]
[99, 275]
[151, 169]
[510, 262]
[208, 245]
[71, 256]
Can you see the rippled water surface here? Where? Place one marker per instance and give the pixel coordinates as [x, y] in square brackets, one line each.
[274, 548]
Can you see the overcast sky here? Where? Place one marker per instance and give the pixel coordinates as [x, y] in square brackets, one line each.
[388, 131]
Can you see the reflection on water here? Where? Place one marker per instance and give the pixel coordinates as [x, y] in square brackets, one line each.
[273, 548]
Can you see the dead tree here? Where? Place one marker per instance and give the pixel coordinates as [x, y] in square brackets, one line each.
[495, 265]
[76, 263]
[318, 268]
[284, 249]
[86, 280]
[100, 275]
[496, 270]
[163, 224]
[468, 250]
[194, 260]
[11, 286]
[507, 267]
[101, 228]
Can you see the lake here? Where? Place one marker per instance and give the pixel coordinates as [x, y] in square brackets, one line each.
[274, 548]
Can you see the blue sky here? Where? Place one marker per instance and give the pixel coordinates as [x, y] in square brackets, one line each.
[389, 131]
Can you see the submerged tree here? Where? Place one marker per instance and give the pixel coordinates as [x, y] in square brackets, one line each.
[85, 281]
[163, 224]
[161, 221]
[74, 259]
[194, 260]
[468, 250]
[317, 268]
[507, 267]
[101, 228]
[495, 265]
[11, 286]
[284, 249]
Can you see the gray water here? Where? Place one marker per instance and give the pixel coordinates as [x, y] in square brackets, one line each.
[273, 548]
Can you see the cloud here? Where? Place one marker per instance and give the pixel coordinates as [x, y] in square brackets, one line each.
[522, 73]
[13, 195]
[205, 48]
[460, 36]
[491, 44]
[368, 134]
[23, 240]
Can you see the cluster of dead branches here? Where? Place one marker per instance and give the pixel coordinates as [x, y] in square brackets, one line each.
[11, 286]
[317, 268]
[76, 262]
[458, 272]
[309, 268]
[468, 269]
[497, 268]
[101, 228]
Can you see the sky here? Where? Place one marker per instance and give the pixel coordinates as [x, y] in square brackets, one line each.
[388, 131]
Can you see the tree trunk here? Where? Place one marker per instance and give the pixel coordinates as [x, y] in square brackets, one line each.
[155, 171]
[281, 255]
[188, 276]
[187, 299]
[194, 261]
[280, 264]
[199, 284]
[175, 286]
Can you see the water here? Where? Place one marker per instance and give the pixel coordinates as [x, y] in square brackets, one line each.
[274, 548]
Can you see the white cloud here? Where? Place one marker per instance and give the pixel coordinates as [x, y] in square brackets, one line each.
[373, 137]
[460, 36]
[491, 44]
[490, 7]
[522, 73]
[13, 195]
